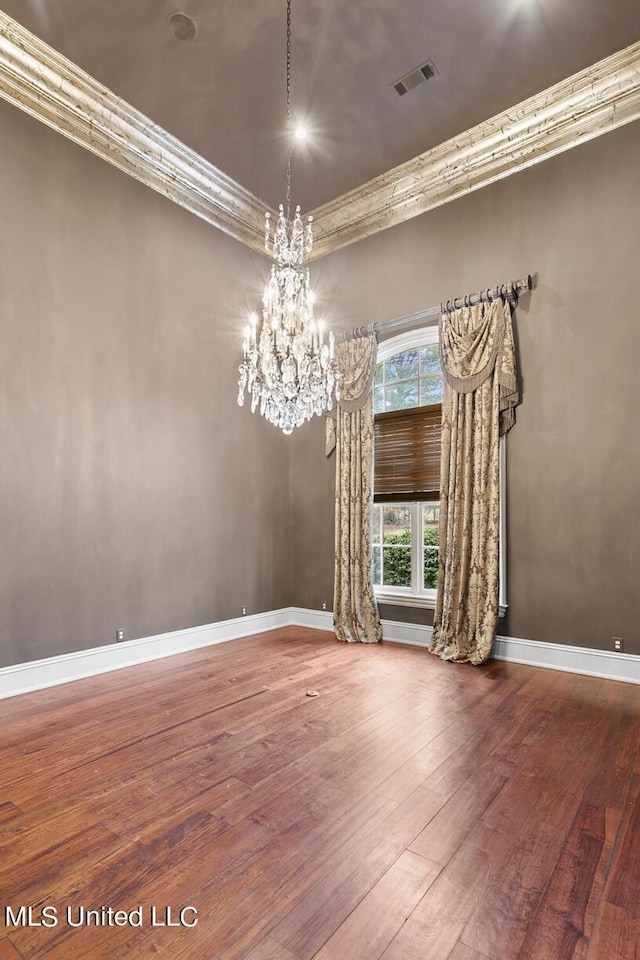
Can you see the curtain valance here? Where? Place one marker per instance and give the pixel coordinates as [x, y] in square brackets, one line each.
[357, 366]
[357, 369]
[475, 342]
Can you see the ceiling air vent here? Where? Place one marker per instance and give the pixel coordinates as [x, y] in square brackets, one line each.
[414, 78]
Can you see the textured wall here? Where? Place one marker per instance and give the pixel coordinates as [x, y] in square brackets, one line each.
[133, 490]
[135, 493]
[573, 459]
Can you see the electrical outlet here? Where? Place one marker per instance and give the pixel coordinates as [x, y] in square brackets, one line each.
[119, 634]
[244, 611]
[618, 644]
[324, 604]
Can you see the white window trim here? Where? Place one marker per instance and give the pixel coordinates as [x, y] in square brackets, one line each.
[405, 341]
[414, 597]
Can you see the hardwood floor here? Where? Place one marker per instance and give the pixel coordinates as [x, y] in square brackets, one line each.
[414, 810]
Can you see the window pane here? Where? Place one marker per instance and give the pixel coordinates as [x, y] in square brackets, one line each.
[397, 521]
[430, 389]
[379, 373]
[399, 396]
[430, 519]
[397, 566]
[396, 558]
[429, 359]
[431, 568]
[378, 400]
[403, 366]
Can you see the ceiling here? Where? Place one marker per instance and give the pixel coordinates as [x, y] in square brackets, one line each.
[222, 93]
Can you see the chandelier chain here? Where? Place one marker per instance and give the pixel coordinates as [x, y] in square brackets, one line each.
[289, 71]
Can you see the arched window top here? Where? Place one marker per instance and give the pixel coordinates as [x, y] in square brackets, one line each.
[408, 371]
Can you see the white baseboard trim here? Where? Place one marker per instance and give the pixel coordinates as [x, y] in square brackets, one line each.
[413, 634]
[560, 656]
[535, 653]
[394, 631]
[38, 674]
[313, 619]
[551, 656]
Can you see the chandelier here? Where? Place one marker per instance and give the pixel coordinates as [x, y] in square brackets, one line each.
[288, 367]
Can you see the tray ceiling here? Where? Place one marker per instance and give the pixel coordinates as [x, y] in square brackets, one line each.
[222, 93]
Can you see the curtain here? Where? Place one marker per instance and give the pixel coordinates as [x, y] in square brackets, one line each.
[355, 612]
[480, 392]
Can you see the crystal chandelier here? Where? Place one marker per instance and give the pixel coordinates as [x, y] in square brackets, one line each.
[288, 367]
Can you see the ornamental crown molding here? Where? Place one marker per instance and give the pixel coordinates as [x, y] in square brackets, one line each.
[596, 100]
[40, 81]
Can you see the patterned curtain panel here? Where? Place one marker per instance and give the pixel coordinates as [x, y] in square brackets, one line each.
[355, 613]
[478, 363]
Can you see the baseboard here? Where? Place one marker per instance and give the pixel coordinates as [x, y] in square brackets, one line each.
[559, 656]
[535, 653]
[38, 674]
[313, 619]
[411, 634]
[394, 631]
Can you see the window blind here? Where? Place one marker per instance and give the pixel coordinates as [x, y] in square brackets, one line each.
[407, 454]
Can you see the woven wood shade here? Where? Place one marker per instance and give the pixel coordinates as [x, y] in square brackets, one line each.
[407, 454]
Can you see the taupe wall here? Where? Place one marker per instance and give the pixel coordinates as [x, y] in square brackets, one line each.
[133, 490]
[573, 459]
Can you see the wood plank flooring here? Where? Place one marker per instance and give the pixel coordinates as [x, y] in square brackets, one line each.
[414, 810]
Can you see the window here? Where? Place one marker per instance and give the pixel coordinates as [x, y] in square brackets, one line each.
[405, 521]
[410, 377]
[405, 517]
[405, 548]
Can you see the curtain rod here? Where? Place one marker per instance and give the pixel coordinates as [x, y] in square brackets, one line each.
[508, 290]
